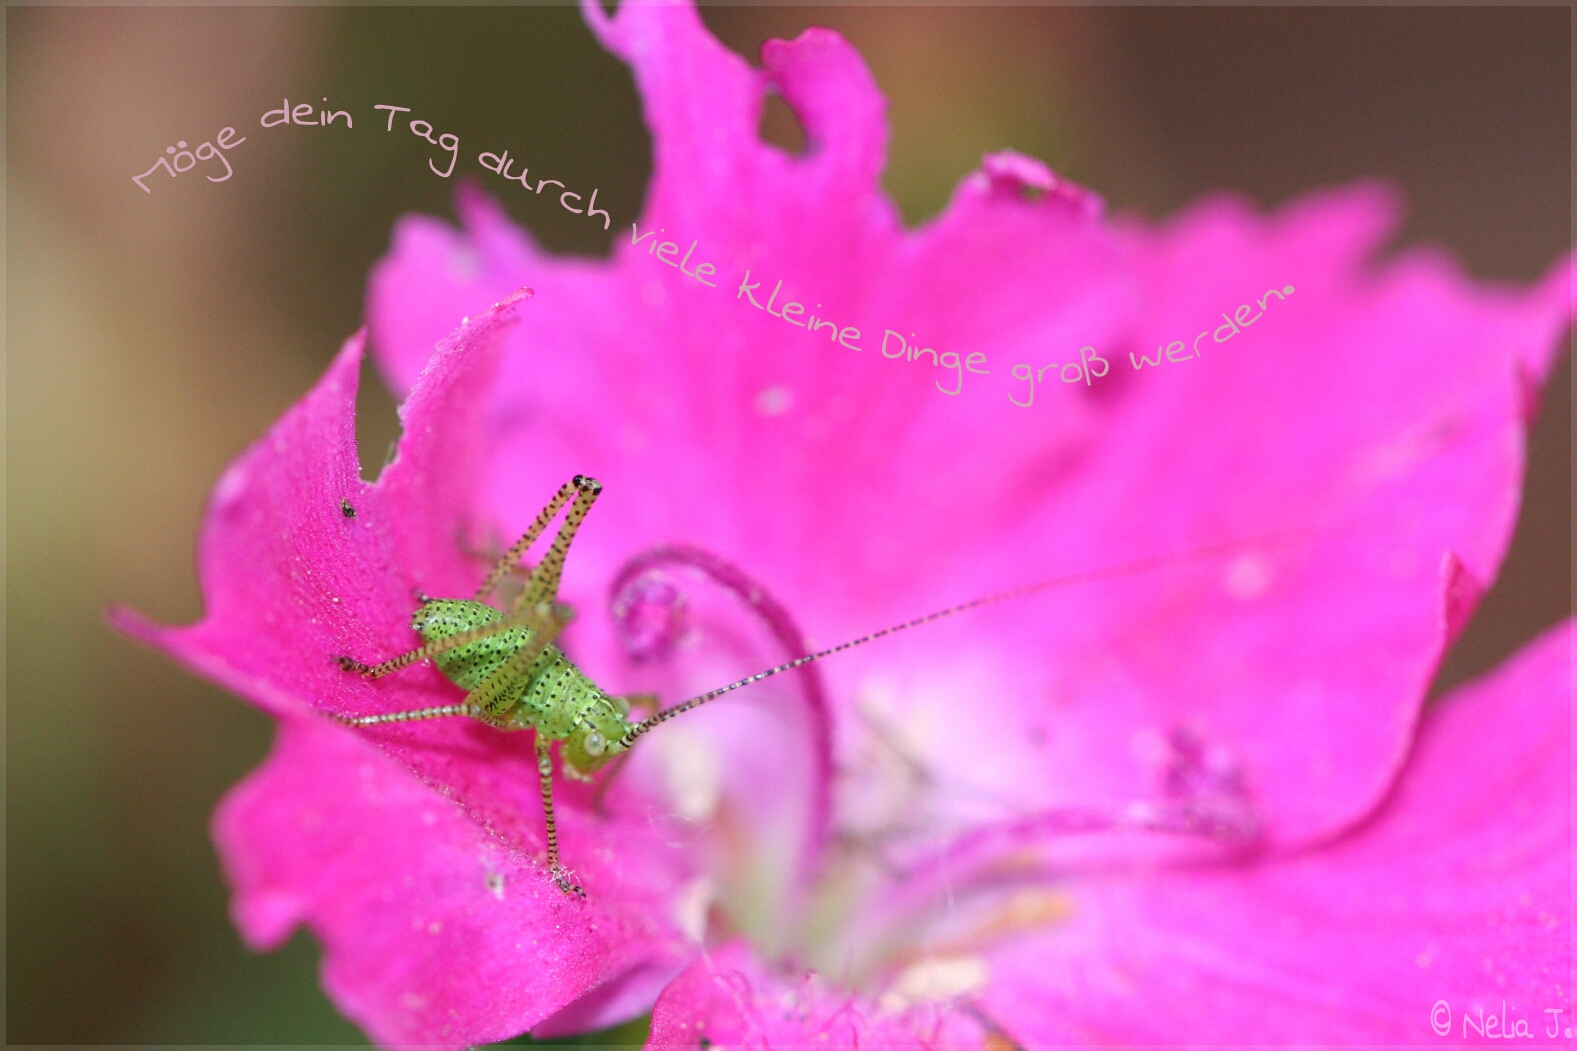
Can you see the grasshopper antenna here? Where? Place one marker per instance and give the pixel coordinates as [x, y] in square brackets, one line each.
[1198, 554]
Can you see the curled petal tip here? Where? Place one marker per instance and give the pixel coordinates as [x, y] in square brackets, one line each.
[518, 296]
[1015, 172]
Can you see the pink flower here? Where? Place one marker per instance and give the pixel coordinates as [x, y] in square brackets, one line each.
[1196, 804]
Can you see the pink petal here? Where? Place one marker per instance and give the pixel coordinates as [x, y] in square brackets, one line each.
[435, 930]
[673, 368]
[830, 475]
[1458, 889]
[1305, 659]
[374, 836]
[287, 571]
[729, 999]
[859, 493]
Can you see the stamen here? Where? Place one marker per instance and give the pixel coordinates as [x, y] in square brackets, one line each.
[1205, 798]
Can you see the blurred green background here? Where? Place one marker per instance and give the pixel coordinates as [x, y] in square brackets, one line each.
[152, 337]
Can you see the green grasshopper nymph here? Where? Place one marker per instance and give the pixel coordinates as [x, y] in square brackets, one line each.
[515, 678]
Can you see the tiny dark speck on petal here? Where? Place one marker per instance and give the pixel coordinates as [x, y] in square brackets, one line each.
[347, 510]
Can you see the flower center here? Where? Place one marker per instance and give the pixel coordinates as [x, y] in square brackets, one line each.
[897, 908]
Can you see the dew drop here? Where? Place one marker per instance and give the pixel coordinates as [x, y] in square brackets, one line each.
[1247, 577]
[774, 401]
[231, 485]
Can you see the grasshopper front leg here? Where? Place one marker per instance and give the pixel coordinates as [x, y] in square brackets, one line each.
[545, 768]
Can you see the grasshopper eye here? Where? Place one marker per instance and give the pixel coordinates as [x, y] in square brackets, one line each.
[595, 743]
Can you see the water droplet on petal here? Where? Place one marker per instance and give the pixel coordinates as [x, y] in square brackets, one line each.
[774, 401]
[232, 484]
[1248, 577]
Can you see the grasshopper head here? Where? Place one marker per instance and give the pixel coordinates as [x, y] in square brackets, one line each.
[596, 740]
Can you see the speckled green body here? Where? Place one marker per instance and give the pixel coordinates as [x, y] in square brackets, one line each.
[553, 696]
